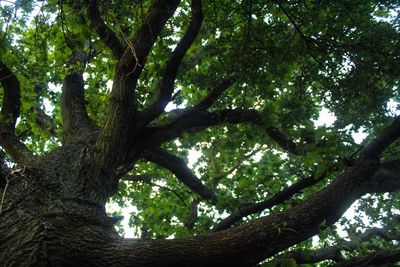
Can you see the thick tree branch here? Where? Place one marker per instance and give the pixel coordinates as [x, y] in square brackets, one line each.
[179, 168]
[76, 122]
[166, 86]
[252, 242]
[9, 114]
[278, 198]
[106, 34]
[195, 120]
[116, 137]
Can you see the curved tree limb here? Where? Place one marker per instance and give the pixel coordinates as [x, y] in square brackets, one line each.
[109, 38]
[166, 86]
[9, 114]
[254, 241]
[116, 138]
[179, 168]
[76, 122]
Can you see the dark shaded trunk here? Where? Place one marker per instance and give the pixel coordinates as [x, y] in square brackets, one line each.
[52, 211]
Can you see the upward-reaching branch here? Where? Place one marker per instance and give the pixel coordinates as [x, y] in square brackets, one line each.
[116, 137]
[106, 34]
[165, 87]
[76, 122]
[9, 115]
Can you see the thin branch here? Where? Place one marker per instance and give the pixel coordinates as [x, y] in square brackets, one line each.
[179, 168]
[166, 86]
[76, 122]
[277, 199]
[106, 34]
[147, 179]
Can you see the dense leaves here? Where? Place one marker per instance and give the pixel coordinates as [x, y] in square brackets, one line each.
[285, 60]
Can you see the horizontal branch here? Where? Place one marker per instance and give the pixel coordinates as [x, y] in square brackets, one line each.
[106, 34]
[179, 168]
[165, 87]
[195, 120]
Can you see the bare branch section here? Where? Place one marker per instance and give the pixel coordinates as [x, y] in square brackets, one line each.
[277, 199]
[9, 114]
[106, 34]
[116, 138]
[253, 242]
[179, 168]
[76, 122]
[166, 86]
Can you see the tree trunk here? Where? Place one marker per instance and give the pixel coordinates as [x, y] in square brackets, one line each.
[53, 211]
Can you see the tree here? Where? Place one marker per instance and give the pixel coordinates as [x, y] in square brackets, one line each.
[145, 83]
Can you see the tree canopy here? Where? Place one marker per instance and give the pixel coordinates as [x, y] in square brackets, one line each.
[203, 116]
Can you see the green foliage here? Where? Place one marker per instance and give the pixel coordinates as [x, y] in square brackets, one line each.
[346, 59]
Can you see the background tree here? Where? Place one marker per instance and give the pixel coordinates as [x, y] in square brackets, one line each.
[106, 99]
